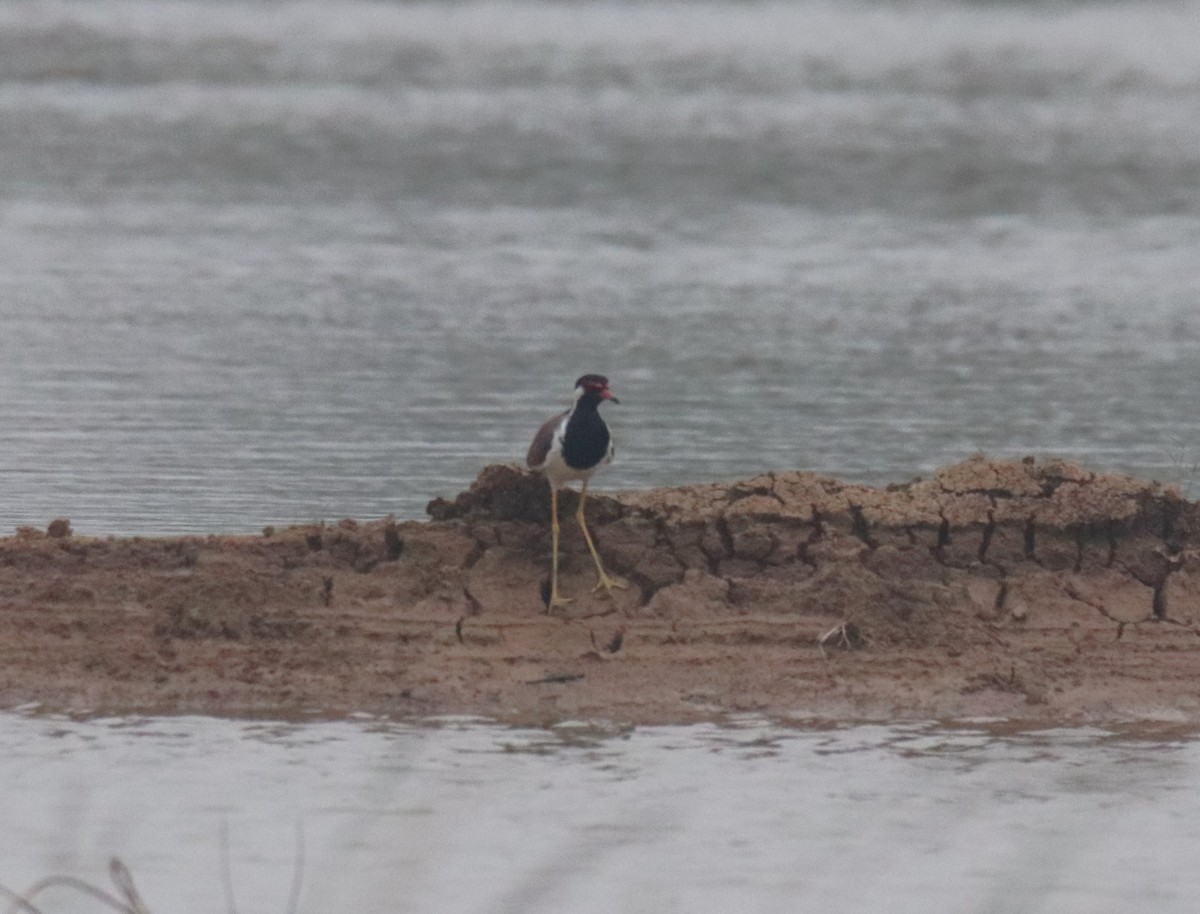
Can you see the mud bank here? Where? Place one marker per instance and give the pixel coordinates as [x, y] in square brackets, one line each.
[1034, 591]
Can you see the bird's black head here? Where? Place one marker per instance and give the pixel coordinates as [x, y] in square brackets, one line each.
[594, 387]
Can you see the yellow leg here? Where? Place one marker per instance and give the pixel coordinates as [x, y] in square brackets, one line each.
[555, 599]
[604, 580]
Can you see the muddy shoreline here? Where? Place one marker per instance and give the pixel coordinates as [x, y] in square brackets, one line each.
[1035, 592]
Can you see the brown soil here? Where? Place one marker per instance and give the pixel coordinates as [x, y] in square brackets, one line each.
[1037, 592]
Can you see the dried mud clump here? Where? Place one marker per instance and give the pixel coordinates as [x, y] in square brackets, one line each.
[1019, 588]
[502, 492]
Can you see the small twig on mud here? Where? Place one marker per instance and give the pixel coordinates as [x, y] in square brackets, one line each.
[847, 636]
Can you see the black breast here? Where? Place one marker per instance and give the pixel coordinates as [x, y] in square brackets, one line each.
[585, 442]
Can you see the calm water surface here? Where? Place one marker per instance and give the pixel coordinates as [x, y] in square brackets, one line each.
[463, 816]
[268, 262]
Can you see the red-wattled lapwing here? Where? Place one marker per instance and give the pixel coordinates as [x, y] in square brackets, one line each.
[573, 445]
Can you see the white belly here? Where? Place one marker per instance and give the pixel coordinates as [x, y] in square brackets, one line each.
[557, 470]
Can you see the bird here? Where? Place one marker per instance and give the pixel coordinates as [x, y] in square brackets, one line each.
[572, 446]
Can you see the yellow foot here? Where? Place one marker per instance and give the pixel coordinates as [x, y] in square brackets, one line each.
[557, 601]
[550, 597]
[609, 583]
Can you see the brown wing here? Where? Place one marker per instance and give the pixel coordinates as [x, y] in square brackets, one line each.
[542, 441]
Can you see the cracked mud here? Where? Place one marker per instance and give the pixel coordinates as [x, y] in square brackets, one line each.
[1034, 591]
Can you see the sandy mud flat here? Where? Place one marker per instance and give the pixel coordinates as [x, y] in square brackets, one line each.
[1038, 592]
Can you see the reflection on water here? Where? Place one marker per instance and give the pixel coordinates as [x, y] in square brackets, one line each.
[461, 815]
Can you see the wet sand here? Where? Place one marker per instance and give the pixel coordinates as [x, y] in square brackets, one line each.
[1037, 592]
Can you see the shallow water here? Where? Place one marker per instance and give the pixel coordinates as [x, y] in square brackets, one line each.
[279, 262]
[467, 816]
